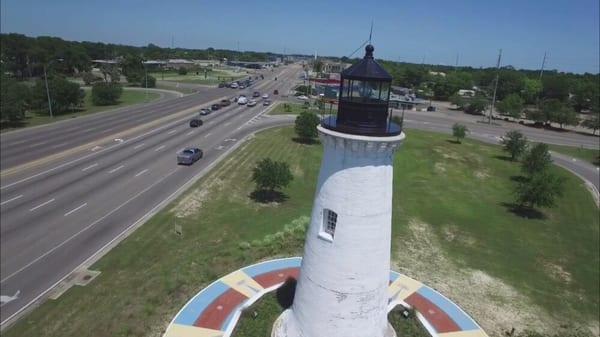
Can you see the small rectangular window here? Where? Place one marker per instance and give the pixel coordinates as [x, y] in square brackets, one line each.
[329, 221]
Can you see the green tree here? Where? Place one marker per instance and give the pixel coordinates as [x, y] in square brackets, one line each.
[151, 82]
[540, 190]
[536, 160]
[106, 93]
[15, 98]
[515, 143]
[592, 122]
[182, 71]
[532, 89]
[511, 105]
[458, 100]
[89, 78]
[64, 94]
[509, 82]
[318, 66]
[270, 175]
[555, 87]
[459, 131]
[111, 73]
[476, 105]
[132, 66]
[306, 126]
[559, 112]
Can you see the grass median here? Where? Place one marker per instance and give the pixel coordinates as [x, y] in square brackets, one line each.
[292, 109]
[129, 97]
[589, 155]
[452, 229]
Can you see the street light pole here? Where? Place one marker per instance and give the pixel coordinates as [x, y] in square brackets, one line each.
[48, 91]
[146, 77]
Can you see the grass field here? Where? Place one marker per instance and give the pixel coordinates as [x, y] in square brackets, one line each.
[129, 97]
[451, 229]
[258, 319]
[589, 155]
[294, 109]
[212, 77]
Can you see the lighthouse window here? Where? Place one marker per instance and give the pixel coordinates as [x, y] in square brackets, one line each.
[329, 222]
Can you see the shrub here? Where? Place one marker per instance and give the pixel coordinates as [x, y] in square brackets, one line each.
[106, 93]
[306, 125]
[182, 71]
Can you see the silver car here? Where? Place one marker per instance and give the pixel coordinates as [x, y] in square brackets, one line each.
[189, 155]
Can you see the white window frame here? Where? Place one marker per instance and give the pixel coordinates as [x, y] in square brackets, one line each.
[328, 225]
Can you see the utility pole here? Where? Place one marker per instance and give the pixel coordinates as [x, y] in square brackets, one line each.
[146, 76]
[456, 63]
[48, 91]
[495, 86]
[543, 64]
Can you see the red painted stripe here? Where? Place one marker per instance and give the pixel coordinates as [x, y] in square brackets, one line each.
[277, 276]
[440, 321]
[217, 312]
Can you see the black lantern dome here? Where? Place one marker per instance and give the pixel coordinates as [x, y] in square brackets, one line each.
[363, 100]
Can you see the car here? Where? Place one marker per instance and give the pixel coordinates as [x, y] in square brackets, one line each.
[215, 107]
[430, 108]
[302, 97]
[225, 102]
[241, 86]
[252, 103]
[196, 122]
[204, 112]
[233, 85]
[265, 96]
[256, 94]
[189, 155]
[275, 92]
[266, 102]
[242, 100]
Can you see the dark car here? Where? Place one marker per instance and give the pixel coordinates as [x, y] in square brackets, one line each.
[430, 108]
[196, 122]
[256, 94]
[205, 112]
[215, 107]
[225, 102]
[189, 155]
[275, 92]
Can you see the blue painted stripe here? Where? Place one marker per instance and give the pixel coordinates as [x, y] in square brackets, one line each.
[458, 316]
[270, 266]
[196, 307]
[394, 276]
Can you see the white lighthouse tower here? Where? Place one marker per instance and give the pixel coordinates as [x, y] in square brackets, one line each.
[343, 282]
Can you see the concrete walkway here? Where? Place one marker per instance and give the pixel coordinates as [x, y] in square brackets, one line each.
[215, 310]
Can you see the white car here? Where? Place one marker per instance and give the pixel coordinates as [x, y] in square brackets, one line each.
[265, 96]
[242, 100]
[304, 98]
[251, 103]
[233, 85]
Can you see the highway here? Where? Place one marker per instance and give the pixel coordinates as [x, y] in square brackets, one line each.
[58, 215]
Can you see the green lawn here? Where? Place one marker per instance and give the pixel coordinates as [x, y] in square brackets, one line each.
[294, 109]
[212, 77]
[129, 97]
[589, 155]
[148, 277]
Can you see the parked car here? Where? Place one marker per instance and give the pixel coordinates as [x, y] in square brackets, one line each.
[302, 97]
[275, 92]
[266, 102]
[225, 102]
[252, 103]
[196, 122]
[215, 107]
[233, 85]
[189, 155]
[241, 86]
[265, 96]
[430, 108]
[205, 112]
[242, 100]
[256, 94]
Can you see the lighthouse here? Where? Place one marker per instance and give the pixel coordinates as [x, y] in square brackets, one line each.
[342, 287]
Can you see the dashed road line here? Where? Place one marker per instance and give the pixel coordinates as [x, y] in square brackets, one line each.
[116, 169]
[190, 133]
[76, 209]
[172, 131]
[37, 144]
[41, 205]
[141, 172]
[12, 199]
[206, 136]
[138, 146]
[89, 167]
[159, 148]
[59, 145]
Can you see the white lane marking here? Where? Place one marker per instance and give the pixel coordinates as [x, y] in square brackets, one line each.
[37, 144]
[59, 145]
[89, 167]
[573, 159]
[85, 229]
[190, 133]
[106, 130]
[116, 169]
[96, 148]
[141, 172]
[4, 299]
[41, 205]
[206, 136]
[138, 146]
[227, 123]
[19, 142]
[159, 148]
[90, 129]
[76, 209]
[172, 131]
[12, 199]
[209, 122]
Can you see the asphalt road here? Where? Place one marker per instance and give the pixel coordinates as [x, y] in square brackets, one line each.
[56, 218]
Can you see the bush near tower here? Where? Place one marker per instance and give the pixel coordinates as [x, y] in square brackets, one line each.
[270, 175]
[306, 126]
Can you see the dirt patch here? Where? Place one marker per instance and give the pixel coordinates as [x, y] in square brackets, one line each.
[557, 272]
[453, 234]
[495, 305]
[481, 175]
[440, 168]
[192, 202]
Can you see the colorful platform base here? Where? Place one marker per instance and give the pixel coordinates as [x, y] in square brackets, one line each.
[215, 310]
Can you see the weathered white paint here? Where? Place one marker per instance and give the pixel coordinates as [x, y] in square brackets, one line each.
[342, 289]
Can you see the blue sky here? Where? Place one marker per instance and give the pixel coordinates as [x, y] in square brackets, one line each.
[407, 30]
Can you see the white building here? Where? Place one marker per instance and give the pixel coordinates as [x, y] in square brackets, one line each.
[343, 282]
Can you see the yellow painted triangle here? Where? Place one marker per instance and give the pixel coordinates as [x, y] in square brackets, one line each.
[178, 330]
[243, 283]
[469, 333]
[403, 287]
